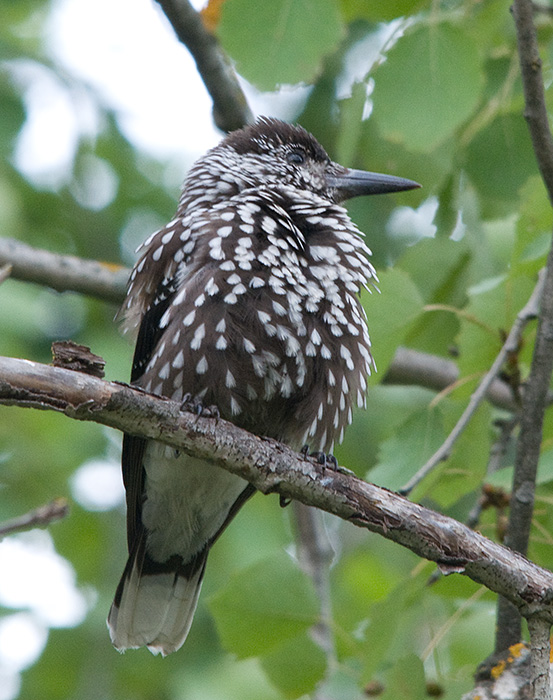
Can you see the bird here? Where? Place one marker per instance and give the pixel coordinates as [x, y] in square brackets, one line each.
[248, 300]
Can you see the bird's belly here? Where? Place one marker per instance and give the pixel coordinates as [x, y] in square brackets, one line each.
[187, 500]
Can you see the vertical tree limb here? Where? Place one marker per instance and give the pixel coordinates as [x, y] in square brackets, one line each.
[540, 647]
[535, 394]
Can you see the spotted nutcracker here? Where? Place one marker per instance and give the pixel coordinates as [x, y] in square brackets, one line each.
[248, 301]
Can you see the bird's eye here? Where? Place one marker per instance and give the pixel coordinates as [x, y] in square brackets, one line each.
[296, 157]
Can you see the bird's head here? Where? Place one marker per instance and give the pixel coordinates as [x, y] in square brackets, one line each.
[273, 153]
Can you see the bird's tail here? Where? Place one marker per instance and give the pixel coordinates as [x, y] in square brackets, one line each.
[155, 603]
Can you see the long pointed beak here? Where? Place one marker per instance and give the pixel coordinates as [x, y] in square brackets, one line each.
[349, 183]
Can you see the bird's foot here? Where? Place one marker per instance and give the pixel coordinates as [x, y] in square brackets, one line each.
[194, 404]
[326, 460]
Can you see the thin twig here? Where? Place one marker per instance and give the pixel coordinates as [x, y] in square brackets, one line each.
[230, 107]
[39, 517]
[272, 467]
[529, 312]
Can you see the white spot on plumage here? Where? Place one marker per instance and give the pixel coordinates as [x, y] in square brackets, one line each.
[230, 381]
[199, 335]
[181, 296]
[176, 337]
[249, 347]
[178, 362]
[316, 337]
[211, 287]
[286, 387]
[202, 366]
[164, 320]
[188, 320]
[221, 343]
[346, 355]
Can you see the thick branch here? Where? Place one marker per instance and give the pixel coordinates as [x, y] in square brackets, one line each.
[230, 108]
[273, 467]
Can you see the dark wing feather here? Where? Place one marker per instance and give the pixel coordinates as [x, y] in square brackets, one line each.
[133, 447]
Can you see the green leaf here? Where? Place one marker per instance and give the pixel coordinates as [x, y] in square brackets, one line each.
[13, 113]
[465, 468]
[391, 314]
[282, 41]
[428, 86]
[533, 228]
[439, 268]
[380, 10]
[500, 159]
[405, 680]
[263, 606]
[295, 666]
[408, 449]
[491, 311]
[385, 619]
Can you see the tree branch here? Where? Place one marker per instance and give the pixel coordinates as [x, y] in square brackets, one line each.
[535, 110]
[39, 517]
[540, 648]
[534, 399]
[105, 281]
[230, 107]
[273, 467]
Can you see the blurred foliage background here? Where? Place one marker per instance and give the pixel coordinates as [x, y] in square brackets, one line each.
[428, 90]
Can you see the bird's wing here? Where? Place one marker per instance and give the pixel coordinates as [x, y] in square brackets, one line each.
[151, 289]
